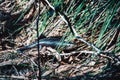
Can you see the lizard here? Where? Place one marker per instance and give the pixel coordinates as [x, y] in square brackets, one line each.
[53, 42]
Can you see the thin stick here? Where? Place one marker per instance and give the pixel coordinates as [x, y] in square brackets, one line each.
[66, 20]
[38, 47]
[14, 77]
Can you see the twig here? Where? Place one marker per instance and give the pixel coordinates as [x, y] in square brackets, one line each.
[38, 47]
[13, 77]
[86, 52]
[11, 62]
[66, 20]
[72, 53]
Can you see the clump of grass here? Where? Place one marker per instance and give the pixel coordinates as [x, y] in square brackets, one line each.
[95, 17]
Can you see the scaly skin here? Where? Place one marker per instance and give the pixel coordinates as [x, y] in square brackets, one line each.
[51, 42]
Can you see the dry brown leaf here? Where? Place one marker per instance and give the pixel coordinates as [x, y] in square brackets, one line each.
[63, 68]
[47, 73]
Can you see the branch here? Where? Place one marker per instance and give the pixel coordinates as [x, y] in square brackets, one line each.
[66, 20]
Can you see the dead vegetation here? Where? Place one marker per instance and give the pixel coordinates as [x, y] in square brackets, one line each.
[92, 25]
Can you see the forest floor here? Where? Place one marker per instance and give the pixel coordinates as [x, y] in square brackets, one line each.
[82, 61]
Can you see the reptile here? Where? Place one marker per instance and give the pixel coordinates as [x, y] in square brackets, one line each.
[53, 42]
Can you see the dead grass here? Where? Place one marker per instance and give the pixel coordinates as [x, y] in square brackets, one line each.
[81, 63]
